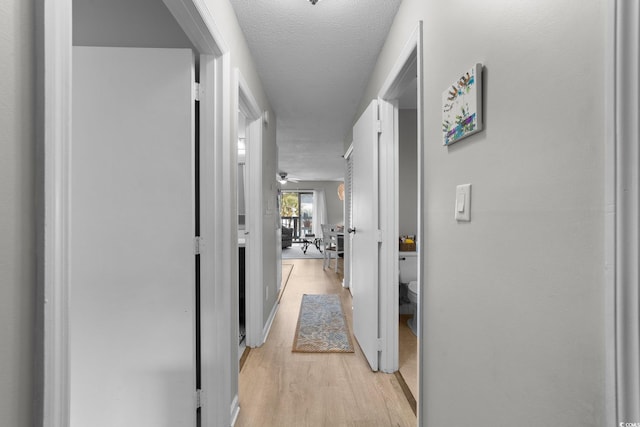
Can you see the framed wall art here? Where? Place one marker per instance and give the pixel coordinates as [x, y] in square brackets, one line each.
[462, 106]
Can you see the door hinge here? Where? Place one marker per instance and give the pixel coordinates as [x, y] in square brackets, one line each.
[380, 344]
[378, 126]
[197, 242]
[197, 91]
[198, 398]
[379, 235]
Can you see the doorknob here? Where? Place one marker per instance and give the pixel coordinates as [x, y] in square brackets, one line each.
[352, 230]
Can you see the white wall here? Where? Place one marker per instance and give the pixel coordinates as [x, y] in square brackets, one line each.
[17, 213]
[513, 315]
[126, 23]
[408, 172]
[240, 57]
[335, 207]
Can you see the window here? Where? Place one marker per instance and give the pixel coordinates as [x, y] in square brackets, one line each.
[296, 211]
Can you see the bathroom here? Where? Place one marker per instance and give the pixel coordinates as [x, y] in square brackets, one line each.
[409, 247]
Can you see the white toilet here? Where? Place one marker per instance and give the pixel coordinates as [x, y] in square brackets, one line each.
[408, 266]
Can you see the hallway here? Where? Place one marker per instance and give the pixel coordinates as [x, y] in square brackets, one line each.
[282, 388]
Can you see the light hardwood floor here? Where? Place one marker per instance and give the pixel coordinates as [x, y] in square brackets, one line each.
[408, 355]
[279, 388]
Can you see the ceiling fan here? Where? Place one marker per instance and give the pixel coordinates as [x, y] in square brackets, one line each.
[283, 178]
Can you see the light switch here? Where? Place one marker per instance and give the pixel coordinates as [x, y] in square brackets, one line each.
[463, 202]
[460, 202]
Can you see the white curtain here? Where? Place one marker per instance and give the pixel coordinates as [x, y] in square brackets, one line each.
[319, 212]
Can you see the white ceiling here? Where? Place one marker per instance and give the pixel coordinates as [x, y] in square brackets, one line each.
[314, 63]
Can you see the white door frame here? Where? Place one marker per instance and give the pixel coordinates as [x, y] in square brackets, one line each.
[54, 53]
[246, 104]
[622, 210]
[397, 80]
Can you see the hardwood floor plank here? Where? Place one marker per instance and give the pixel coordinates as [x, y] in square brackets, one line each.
[279, 388]
[408, 355]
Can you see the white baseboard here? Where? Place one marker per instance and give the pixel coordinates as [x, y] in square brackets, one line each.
[235, 410]
[267, 327]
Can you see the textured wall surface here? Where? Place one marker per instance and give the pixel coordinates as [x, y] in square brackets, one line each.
[17, 212]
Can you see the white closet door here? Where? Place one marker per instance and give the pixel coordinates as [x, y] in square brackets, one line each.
[132, 281]
[348, 217]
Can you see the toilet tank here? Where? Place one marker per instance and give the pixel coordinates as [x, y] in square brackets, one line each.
[408, 266]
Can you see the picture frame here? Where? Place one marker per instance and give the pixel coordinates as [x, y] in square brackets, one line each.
[462, 107]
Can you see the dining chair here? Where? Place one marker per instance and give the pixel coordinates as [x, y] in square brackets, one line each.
[332, 245]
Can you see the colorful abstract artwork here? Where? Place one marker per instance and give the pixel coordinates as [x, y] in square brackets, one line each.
[462, 106]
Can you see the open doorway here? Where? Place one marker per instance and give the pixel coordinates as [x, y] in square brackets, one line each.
[402, 88]
[242, 229]
[149, 24]
[134, 148]
[401, 172]
[250, 208]
[401, 140]
[408, 248]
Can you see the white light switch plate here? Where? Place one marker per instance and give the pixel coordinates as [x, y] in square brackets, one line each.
[463, 202]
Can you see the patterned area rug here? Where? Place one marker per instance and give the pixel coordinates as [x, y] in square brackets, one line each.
[295, 252]
[322, 327]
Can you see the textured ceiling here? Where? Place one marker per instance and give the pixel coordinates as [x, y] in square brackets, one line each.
[314, 63]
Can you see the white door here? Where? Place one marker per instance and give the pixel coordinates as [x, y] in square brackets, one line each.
[132, 280]
[364, 241]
